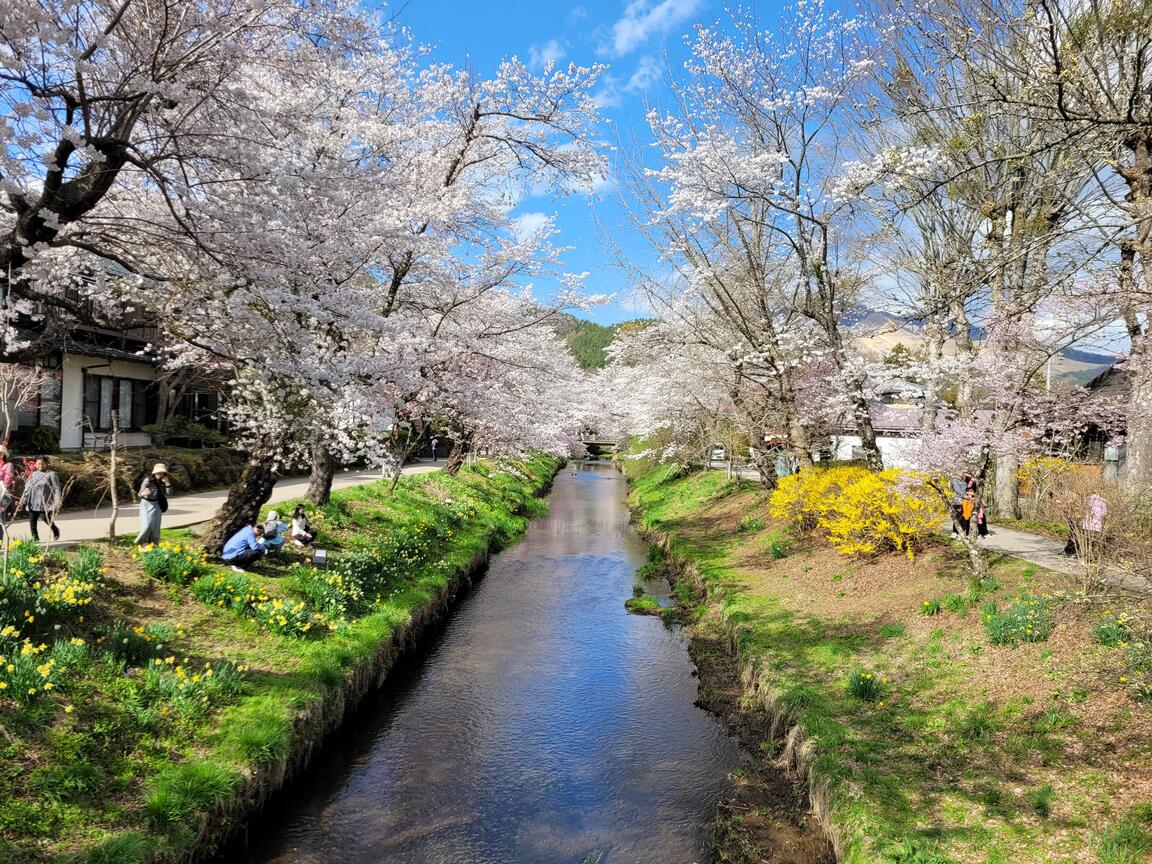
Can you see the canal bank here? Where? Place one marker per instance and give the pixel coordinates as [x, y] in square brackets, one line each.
[543, 724]
[931, 717]
[184, 696]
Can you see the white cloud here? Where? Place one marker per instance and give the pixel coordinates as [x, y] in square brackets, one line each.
[609, 95]
[647, 73]
[529, 224]
[643, 18]
[612, 89]
[540, 56]
[577, 13]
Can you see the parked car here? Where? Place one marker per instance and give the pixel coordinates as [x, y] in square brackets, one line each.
[719, 454]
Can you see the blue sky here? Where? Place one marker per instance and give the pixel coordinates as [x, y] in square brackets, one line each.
[638, 39]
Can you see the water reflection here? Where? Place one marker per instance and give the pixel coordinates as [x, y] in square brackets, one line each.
[544, 725]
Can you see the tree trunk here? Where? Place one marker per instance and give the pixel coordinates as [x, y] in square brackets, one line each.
[245, 498]
[934, 345]
[1138, 462]
[1007, 486]
[765, 462]
[323, 470]
[113, 491]
[460, 449]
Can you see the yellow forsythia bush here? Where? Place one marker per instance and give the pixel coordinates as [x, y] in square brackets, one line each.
[861, 512]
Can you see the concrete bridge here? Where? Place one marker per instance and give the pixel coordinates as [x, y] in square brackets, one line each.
[599, 448]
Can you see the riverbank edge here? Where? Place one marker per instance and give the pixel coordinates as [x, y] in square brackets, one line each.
[324, 715]
[797, 756]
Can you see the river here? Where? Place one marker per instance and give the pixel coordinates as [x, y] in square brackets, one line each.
[541, 725]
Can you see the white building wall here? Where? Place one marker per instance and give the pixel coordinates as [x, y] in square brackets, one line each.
[896, 452]
[72, 434]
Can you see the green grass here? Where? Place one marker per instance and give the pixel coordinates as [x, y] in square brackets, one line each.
[1025, 619]
[643, 605]
[940, 772]
[125, 756]
[182, 792]
[1128, 841]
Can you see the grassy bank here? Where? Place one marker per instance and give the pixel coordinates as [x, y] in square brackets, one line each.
[150, 700]
[939, 719]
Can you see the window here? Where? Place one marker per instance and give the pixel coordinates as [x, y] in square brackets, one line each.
[104, 394]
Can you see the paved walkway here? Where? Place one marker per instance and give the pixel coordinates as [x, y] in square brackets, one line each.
[1034, 548]
[1047, 553]
[191, 509]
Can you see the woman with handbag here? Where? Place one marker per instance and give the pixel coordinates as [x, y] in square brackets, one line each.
[153, 503]
[42, 498]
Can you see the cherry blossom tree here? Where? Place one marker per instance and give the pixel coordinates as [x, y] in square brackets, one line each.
[746, 205]
[113, 110]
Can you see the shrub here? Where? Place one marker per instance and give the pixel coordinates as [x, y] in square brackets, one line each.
[31, 590]
[26, 674]
[1026, 619]
[135, 644]
[1138, 666]
[63, 596]
[336, 593]
[286, 617]
[171, 562]
[861, 512]
[779, 546]
[186, 690]
[1113, 630]
[931, 607]
[18, 598]
[957, 603]
[750, 524]
[234, 591]
[867, 686]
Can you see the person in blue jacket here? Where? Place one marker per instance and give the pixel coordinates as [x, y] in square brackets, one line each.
[244, 547]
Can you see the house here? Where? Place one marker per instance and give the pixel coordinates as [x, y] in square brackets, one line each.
[1113, 385]
[94, 373]
[896, 419]
[91, 375]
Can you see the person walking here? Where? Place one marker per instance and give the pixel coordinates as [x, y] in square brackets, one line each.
[1091, 528]
[42, 498]
[153, 496]
[435, 441]
[960, 522]
[7, 487]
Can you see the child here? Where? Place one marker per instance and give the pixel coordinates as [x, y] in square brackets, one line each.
[274, 532]
[302, 531]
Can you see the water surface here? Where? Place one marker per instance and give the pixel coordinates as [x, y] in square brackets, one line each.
[543, 725]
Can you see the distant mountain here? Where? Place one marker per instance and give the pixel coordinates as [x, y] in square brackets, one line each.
[587, 340]
[878, 333]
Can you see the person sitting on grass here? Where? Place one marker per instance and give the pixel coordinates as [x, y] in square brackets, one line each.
[302, 531]
[274, 532]
[244, 547]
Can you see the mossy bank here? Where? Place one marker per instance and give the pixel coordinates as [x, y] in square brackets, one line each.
[931, 718]
[182, 694]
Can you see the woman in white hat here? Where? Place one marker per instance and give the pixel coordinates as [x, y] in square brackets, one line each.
[153, 502]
